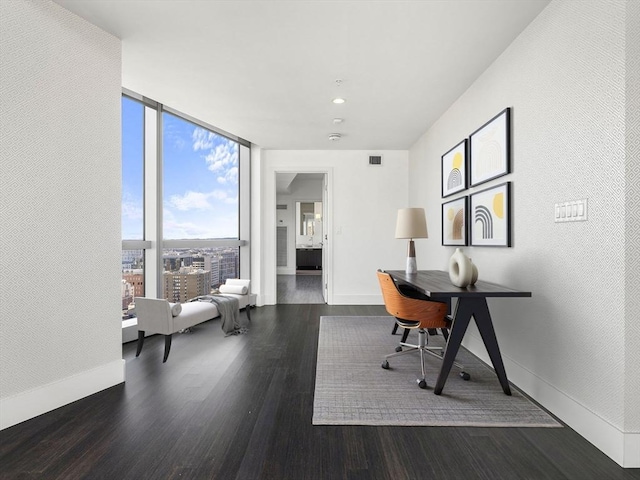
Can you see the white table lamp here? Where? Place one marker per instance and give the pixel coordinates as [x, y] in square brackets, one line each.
[411, 224]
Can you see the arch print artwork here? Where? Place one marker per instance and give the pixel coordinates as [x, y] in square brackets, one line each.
[490, 149]
[491, 216]
[454, 169]
[454, 222]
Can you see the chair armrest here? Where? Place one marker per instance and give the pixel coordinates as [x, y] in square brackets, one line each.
[154, 315]
[240, 282]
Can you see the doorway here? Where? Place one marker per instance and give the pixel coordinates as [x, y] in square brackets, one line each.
[301, 210]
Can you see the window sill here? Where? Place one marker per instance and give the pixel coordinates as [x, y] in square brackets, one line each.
[129, 330]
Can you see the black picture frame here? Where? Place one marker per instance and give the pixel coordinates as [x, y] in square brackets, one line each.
[490, 149]
[490, 212]
[453, 168]
[455, 215]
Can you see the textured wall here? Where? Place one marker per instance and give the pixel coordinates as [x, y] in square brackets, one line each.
[60, 195]
[632, 232]
[564, 78]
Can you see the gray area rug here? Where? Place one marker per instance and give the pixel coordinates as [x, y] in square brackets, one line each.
[353, 389]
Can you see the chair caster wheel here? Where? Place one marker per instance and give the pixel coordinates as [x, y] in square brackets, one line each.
[465, 376]
[398, 348]
[422, 384]
[385, 365]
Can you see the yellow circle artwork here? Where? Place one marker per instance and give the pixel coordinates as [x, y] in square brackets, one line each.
[498, 205]
[450, 214]
[457, 160]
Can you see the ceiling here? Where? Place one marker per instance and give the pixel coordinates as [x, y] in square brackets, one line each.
[267, 71]
[285, 182]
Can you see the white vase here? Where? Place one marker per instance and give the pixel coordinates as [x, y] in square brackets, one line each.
[474, 275]
[460, 269]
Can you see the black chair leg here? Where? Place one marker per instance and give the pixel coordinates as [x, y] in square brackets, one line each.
[405, 335]
[167, 347]
[432, 331]
[395, 329]
[140, 342]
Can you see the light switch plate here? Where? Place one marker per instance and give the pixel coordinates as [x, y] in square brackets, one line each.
[573, 211]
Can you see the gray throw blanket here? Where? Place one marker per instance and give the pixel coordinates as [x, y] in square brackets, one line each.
[229, 309]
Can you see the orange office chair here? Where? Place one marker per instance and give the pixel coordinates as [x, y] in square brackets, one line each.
[412, 313]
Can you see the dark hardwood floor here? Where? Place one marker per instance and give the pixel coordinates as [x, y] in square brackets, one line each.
[241, 407]
[299, 289]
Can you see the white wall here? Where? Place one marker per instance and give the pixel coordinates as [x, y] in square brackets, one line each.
[568, 346]
[60, 328]
[363, 202]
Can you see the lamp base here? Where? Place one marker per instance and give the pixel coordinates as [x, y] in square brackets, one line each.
[412, 266]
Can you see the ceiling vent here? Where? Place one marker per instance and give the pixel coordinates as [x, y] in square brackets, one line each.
[281, 206]
[375, 160]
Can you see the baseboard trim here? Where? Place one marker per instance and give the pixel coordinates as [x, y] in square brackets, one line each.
[357, 300]
[286, 271]
[623, 448]
[26, 405]
[265, 299]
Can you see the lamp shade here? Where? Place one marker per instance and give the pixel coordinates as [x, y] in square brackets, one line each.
[411, 223]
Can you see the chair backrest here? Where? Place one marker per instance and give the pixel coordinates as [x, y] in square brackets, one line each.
[430, 314]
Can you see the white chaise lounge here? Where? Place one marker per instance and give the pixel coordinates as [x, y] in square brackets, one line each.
[165, 318]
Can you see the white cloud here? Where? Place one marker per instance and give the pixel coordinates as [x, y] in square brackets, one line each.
[202, 139]
[219, 194]
[223, 157]
[201, 200]
[190, 201]
[171, 135]
[131, 211]
[230, 176]
[131, 207]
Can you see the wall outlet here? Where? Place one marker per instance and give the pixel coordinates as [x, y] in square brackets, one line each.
[573, 211]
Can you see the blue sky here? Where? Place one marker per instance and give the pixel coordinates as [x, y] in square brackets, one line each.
[132, 151]
[200, 179]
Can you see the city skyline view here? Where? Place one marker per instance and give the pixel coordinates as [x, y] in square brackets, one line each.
[180, 266]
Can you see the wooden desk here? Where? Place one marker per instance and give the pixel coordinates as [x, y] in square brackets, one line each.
[472, 302]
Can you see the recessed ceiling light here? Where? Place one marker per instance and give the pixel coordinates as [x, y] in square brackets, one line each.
[334, 136]
[338, 100]
[338, 121]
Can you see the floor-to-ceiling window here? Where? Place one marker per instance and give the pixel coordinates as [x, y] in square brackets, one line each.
[132, 204]
[185, 204]
[200, 196]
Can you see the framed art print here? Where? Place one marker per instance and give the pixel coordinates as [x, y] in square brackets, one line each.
[454, 169]
[491, 217]
[454, 222]
[490, 149]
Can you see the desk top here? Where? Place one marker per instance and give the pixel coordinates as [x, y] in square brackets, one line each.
[436, 283]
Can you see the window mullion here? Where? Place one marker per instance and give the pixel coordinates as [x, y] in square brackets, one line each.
[153, 255]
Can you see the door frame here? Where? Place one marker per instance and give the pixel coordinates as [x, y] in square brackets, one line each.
[271, 269]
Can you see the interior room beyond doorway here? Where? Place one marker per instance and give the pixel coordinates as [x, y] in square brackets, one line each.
[300, 237]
